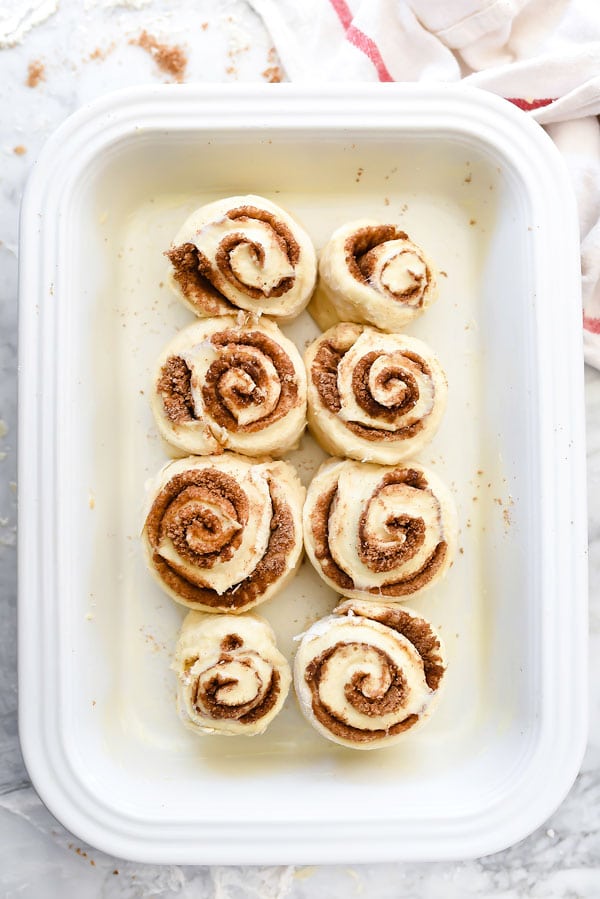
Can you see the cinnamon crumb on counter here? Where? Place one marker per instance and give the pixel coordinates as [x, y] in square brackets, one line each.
[36, 72]
[272, 74]
[204, 26]
[100, 53]
[19, 150]
[170, 59]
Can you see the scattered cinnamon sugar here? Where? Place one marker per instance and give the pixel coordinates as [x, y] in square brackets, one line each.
[204, 26]
[170, 59]
[36, 72]
[272, 74]
[467, 180]
[100, 53]
[473, 221]
[19, 150]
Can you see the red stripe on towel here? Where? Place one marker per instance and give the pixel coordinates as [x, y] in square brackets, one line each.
[361, 40]
[528, 105]
[591, 324]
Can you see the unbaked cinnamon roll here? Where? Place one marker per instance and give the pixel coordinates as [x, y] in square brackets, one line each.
[231, 678]
[219, 385]
[368, 674]
[224, 533]
[375, 532]
[373, 396]
[372, 273]
[243, 253]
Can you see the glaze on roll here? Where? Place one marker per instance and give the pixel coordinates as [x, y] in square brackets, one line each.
[373, 396]
[379, 532]
[221, 385]
[243, 253]
[224, 533]
[372, 273]
[231, 678]
[368, 674]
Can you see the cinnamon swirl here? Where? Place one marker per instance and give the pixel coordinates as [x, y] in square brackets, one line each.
[231, 678]
[219, 385]
[224, 533]
[373, 396]
[368, 674]
[243, 253]
[372, 273]
[375, 532]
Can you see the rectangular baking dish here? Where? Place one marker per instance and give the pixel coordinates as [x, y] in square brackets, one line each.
[484, 190]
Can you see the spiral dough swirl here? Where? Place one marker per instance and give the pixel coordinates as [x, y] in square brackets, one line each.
[368, 673]
[224, 533]
[231, 678]
[375, 532]
[243, 253]
[373, 273]
[219, 385]
[373, 396]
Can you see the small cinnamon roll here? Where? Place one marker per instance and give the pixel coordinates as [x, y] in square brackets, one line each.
[381, 533]
[368, 674]
[231, 678]
[373, 273]
[373, 396]
[243, 253]
[224, 533]
[221, 385]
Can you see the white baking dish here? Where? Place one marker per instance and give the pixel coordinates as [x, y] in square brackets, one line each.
[485, 192]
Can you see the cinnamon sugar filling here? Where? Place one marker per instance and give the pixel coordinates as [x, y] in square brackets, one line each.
[174, 386]
[378, 558]
[388, 700]
[225, 493]
[252, 381]
[188, 274]
[324, 375]
[361, 261]
[207, 700]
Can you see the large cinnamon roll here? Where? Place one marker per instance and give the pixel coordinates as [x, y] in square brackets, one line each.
[243, 253]
[373, 396]
[373, 273]
[219, 385]
[231, 678]
[368, 674]
[224, 533]
[375, 532]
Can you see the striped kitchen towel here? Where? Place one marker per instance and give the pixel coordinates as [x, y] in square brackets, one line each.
[542, 55]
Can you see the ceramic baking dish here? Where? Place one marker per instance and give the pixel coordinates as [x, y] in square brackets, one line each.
[483, 189]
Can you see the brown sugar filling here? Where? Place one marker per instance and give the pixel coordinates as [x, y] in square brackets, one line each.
[361, 262]
[324, 375]
[174, 386]
[204, 282]
[195, 287]
[377, 559]
[268, 570]
[417, 630]
[230, 344]
[207, 702]
[391, 700]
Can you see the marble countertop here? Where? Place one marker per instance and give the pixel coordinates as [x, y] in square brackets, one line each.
[55, 56]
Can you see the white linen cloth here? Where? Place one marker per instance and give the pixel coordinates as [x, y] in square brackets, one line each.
[544, 55]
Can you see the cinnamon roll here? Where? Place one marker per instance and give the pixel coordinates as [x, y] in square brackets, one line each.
[373, 396]
[224, 533]
[219, 385]
[373, 273]
[243, 253]
[231, 678]
[368, 674]
[375, 532]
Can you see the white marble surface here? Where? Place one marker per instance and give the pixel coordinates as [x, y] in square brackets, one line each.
[84, 47]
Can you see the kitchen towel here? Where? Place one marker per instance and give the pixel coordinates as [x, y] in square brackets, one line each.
[542, 55]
